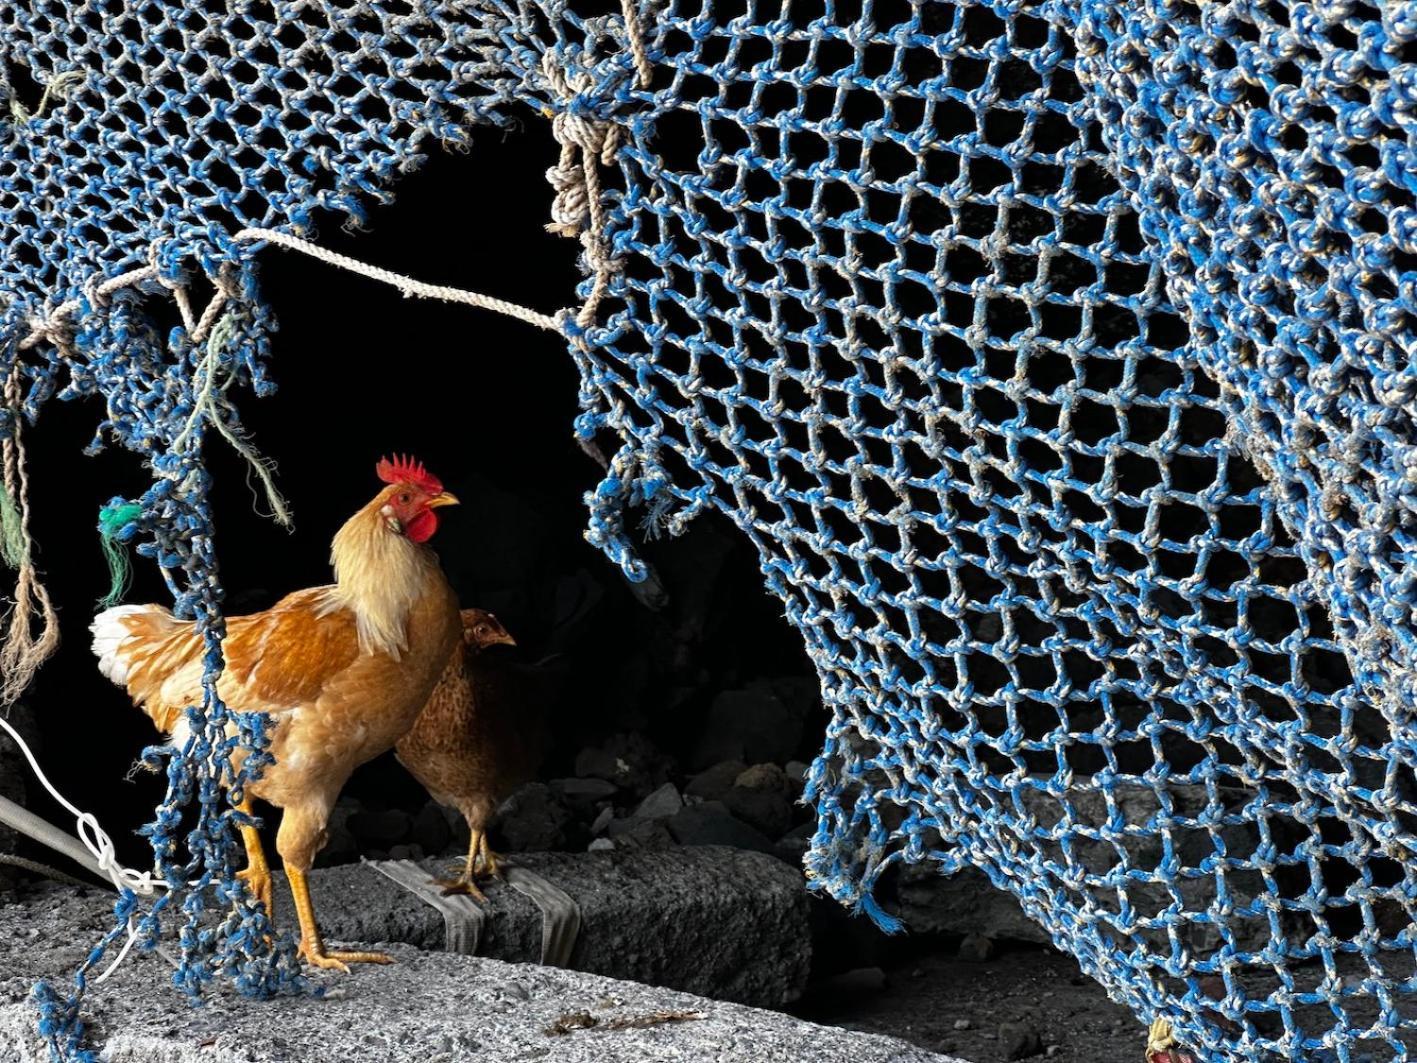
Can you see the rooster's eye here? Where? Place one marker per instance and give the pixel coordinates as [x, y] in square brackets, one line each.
[403, 499]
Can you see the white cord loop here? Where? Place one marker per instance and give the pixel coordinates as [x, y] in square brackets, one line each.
[96, 840]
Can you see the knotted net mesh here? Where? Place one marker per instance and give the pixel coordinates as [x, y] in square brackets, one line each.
[1054, 355]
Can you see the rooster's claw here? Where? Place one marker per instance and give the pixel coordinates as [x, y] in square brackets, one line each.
[340, 961]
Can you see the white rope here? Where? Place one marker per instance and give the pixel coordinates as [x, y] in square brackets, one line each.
[53, 328]
[96, 840]
[407, 285]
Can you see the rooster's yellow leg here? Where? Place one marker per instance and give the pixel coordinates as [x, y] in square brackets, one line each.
[467, 881]
[257, 875]
[312, 946]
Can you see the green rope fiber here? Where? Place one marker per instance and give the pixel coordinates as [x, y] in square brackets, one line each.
[12, 532]
[111, 521]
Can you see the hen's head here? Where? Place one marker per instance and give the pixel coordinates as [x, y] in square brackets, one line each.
[407, 504]
[481, 629]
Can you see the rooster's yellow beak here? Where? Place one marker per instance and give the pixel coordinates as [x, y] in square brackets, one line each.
[446, 498]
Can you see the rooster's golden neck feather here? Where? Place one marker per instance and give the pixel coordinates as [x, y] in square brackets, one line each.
[379, 574]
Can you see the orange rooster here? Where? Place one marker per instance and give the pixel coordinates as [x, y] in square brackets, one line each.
[343, 670]
[476, 742]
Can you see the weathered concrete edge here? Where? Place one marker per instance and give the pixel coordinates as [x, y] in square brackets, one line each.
[442, 1008]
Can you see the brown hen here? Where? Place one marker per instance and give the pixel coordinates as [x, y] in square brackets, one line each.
[476, 741]
[343, 670]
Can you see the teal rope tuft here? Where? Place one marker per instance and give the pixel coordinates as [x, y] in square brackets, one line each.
[113, 519]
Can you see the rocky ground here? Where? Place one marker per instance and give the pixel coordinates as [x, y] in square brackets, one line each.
[969, 1000]
[425, 1008]
[1026, 1002]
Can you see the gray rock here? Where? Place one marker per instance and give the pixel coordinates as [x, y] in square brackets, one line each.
[961, 1024]
[764, 777]
[753, 725]
[800, 693]
[796, 771]
[711, 823]
[430, 829]
[712, 783]
[639, 834]
[630, 761]
[976, 948]
[963, 903]
[1019, 1041]
[715, 921]
[1139, 836]
[597, 764]
[767, 811]
[603, 820]
[793, 845]
[661, 804]
[423, 1008]
[381, 829]
[532, 820]
[600, 845]
[583, 792]
[857, 981]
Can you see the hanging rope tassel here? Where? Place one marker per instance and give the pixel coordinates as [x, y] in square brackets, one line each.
[112, 519]
[24, 649]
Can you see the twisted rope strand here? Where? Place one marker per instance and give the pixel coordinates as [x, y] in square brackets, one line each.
[23, 651]
[53, 328]
[577, 210]
[407, 285]
[634, 36]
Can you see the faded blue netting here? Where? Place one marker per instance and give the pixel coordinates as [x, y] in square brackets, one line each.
[1055, 356]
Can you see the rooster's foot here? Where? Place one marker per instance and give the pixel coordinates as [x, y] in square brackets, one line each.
[259, 885]
[339, 961]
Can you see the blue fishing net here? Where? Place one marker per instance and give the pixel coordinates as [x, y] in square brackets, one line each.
[1056, 357]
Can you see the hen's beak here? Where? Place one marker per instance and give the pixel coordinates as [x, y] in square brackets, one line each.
[446, 498]
[504, 640]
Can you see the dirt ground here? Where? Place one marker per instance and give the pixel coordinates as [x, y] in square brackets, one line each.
[958, 1007]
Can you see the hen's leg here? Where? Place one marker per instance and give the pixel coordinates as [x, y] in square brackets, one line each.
[491, 862]
[467, 881]
[302, 832]
[477, 810]
[257, 875]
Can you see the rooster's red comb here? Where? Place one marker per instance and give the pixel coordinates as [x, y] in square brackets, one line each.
[404, 470]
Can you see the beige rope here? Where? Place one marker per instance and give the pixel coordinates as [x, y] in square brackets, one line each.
[58, 88]
[586, 145]
[54, 328]
[23, 651]
[637, 44]
[407, 285]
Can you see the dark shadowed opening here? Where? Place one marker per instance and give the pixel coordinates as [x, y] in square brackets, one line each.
[488, 404]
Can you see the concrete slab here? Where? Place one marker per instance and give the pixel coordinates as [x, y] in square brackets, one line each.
[427, 1008]
[718, 922]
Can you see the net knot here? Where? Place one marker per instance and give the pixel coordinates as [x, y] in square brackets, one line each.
[588, 141]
